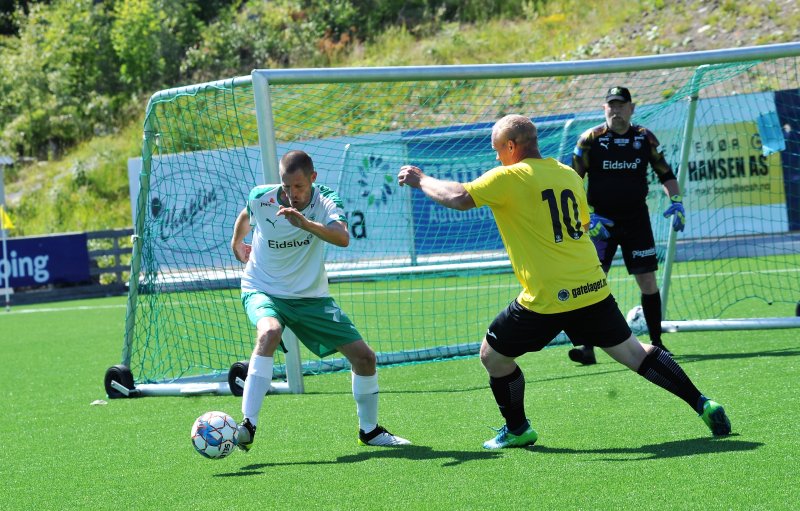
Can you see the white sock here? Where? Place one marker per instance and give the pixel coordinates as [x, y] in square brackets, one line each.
[365, 392]
[259, 377]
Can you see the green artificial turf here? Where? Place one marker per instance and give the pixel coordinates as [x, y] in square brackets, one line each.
[608, 438]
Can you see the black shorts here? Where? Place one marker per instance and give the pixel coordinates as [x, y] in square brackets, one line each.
[517, 330]
[635, 236]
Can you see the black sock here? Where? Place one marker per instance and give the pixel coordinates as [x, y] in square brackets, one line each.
[651, 307]
[659, 368]
[509, 392]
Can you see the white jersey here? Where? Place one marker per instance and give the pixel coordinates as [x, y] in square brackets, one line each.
[288, 262]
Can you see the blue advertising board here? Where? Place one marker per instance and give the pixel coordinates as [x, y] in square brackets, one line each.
[37, 261]
[459, 158]
[462, 154]
[786, 104]
[750, 131]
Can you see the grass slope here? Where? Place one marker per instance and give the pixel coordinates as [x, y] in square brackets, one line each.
[93, 177]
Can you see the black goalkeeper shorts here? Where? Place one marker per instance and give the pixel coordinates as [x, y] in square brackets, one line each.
[635, 237]
[517, 330]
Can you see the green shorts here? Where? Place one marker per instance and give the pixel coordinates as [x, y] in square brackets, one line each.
[319, 323]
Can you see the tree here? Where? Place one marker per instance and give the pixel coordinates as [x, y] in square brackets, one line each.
[61, 67]
[150, 37]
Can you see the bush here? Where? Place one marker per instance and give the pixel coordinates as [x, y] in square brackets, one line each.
[149, 38]
[61, 60]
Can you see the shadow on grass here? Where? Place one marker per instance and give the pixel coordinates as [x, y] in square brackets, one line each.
[472, 388]
[409, 452]
[784, 352]
[605, 367]
[676, 449]
[594, 370]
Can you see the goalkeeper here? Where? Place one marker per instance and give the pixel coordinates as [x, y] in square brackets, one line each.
[615, 155]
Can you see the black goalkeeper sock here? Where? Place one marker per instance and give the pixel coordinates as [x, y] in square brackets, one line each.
[651, 307]
[509, 392]
[659, 368]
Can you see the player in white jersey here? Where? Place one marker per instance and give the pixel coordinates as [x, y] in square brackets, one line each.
[285, 284]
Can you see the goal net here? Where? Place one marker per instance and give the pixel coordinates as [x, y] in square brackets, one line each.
[422, 282]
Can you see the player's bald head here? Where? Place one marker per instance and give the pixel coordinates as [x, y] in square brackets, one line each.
[517, 128]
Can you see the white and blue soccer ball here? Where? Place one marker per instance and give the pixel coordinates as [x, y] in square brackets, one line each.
[636, 320]
[215, 434]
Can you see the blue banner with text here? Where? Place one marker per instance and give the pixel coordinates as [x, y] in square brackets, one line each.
[37, 261]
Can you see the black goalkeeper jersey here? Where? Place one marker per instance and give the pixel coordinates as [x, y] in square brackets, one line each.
[617, 168]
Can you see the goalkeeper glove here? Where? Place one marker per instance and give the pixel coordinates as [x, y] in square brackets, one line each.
[597, 227]
[677, 212]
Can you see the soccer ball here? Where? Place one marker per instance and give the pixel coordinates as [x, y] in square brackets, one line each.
[636, 320]
[215, 434]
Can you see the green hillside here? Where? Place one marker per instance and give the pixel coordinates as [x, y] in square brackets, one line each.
[77, 119]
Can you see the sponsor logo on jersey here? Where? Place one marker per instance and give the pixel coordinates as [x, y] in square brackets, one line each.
[604, 144]
[621, 141]
[589, 287]
[563, 295]
[644, 253]
[288, 244]
[621, 165]
[269, 203]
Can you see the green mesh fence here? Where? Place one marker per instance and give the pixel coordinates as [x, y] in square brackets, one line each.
[418, 277]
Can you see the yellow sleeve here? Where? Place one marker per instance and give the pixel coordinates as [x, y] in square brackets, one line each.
[488, 189]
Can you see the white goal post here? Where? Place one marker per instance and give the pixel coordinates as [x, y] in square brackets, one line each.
[205, 145]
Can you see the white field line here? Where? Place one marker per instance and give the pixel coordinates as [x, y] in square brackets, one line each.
[64, 309]
[400, 291]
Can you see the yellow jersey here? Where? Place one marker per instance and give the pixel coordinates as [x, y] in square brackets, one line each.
[540, 209]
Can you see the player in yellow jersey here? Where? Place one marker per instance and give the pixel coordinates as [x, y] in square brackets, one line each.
[542, 214]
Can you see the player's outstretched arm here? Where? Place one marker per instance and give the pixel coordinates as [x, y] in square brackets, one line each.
[450, 194]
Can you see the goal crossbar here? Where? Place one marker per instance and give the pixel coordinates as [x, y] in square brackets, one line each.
[269, 145]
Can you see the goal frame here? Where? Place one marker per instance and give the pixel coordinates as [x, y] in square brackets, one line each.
[261, 79]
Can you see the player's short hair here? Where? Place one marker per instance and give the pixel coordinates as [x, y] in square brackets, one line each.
[518, 128]
[297, 160]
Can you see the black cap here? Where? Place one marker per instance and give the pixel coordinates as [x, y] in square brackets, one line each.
[618, 94]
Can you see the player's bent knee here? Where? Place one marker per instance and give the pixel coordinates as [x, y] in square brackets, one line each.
[267, 341]
[495, 363]
[368, 359]
[629, 352]
[486, 354]
[360, 356]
